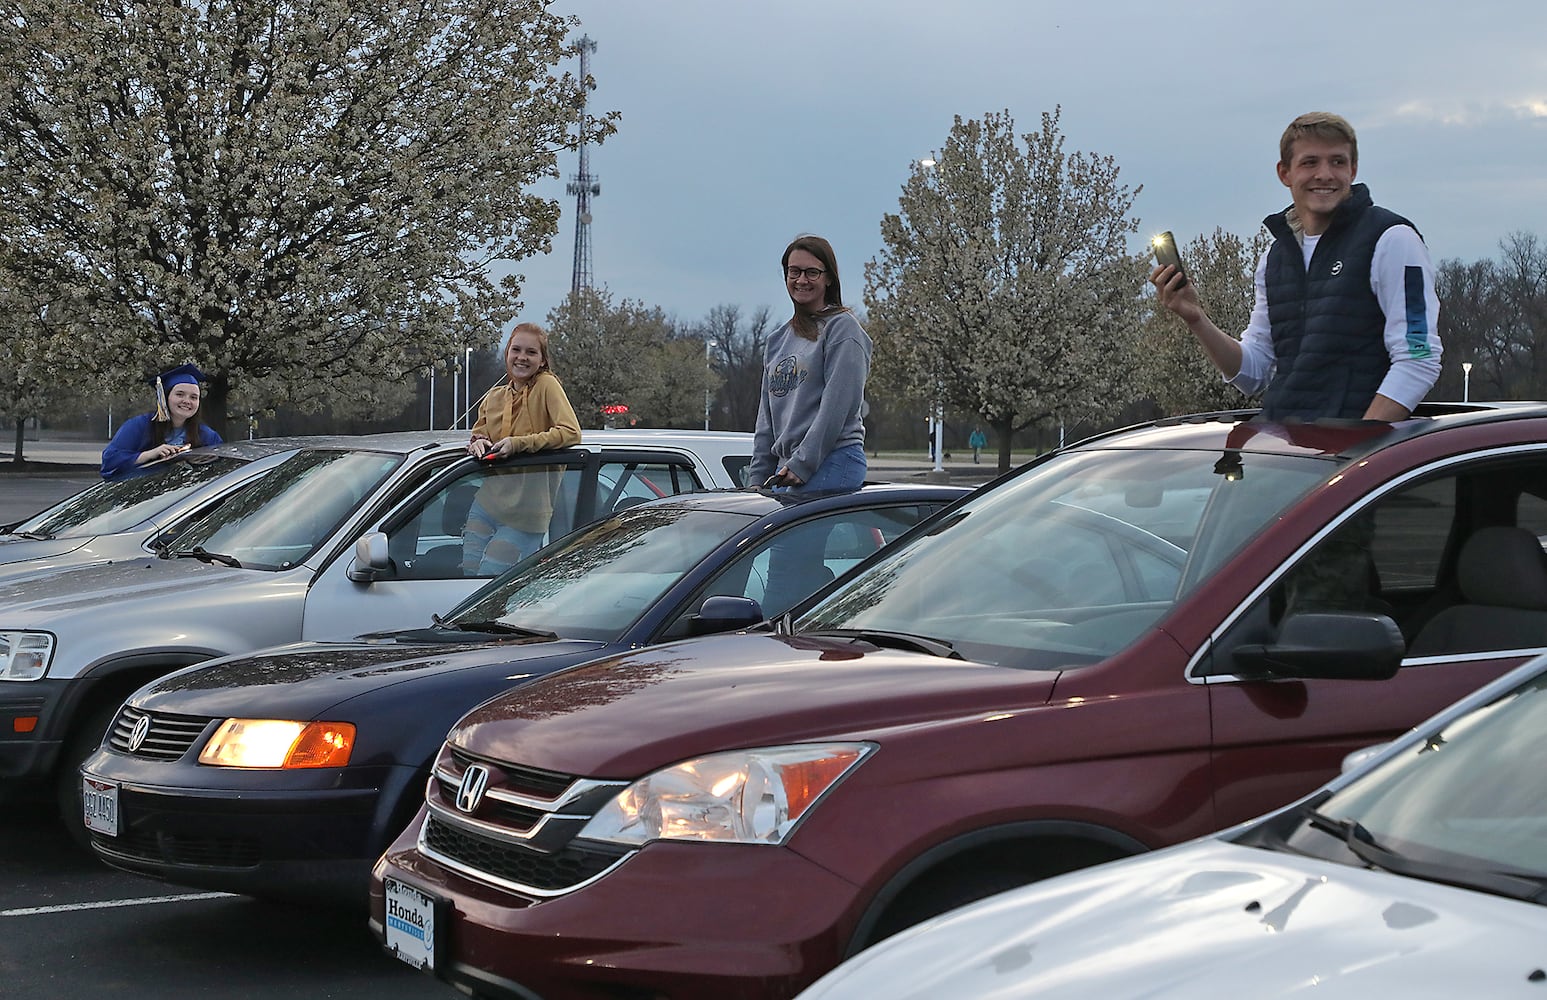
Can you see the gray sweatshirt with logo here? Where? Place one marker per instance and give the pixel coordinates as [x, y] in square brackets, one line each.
[813, 397]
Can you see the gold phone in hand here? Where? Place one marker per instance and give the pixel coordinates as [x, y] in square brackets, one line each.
[1166, 253]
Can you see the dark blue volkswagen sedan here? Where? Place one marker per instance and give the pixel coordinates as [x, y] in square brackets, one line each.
[286, 772]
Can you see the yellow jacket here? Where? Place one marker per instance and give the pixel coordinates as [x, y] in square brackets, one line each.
[536, 418]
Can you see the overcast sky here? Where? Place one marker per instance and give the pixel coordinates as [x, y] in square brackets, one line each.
[744, 124]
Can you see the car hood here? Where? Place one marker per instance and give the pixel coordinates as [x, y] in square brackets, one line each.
[1212, 919]
[147, 579]
[625, 716]
[302, 680]
[15, 550]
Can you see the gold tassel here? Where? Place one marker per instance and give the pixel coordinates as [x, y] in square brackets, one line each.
[162, 414]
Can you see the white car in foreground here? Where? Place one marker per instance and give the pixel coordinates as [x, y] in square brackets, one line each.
[1420, 874]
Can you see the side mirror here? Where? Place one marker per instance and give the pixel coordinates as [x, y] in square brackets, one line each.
[372, 561]
[726, 614]
[1348, 646]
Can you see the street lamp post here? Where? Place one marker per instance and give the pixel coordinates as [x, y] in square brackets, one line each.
[1466, 381]
[708, 372]
[467, 395]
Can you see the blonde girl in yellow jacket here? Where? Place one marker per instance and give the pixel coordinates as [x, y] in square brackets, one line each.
[529, 412]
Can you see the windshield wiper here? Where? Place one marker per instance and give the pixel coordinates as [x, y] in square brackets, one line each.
[895, 640]
[494, 626]
[198, 552]
[1363, 845]
[34, 536]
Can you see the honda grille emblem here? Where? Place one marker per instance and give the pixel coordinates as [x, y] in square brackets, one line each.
[138, 733]
[474, 781]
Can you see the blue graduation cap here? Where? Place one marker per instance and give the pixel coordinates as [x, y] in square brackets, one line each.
[181, 375]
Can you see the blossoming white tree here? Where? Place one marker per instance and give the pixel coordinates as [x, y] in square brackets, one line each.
[1169, 365]
[301, 196]
[1005, 287]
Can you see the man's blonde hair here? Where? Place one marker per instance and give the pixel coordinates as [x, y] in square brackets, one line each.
[1323, 125]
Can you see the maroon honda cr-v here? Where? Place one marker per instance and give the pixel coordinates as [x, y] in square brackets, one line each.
[1141, 639]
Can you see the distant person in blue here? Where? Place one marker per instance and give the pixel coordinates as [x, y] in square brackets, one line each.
[174, 426]
[977, 442]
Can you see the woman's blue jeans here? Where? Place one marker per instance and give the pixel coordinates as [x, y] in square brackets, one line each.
[796, 567]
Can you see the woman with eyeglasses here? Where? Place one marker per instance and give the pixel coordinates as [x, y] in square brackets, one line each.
[810, 435]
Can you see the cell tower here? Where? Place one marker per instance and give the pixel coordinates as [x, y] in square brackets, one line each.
[582, 185]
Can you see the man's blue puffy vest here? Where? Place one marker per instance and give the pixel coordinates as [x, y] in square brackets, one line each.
[1327, 326]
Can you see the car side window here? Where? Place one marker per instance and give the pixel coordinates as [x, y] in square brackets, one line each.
[826, 547]
[484, 521]
[1456, 560]
[624, 484]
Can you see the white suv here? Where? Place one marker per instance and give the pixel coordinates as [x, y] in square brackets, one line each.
[346, 536]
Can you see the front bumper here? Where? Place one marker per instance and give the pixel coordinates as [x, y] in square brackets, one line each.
[675, 920]
[302, 834]
[28, 744]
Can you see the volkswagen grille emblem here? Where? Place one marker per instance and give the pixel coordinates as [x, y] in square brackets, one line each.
[474, 781]
[138, 733]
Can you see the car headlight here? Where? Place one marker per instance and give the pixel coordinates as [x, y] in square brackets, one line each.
[277, 743]
[24, 656]
[744, 796]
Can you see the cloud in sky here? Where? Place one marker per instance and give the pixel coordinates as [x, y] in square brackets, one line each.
[744, 124]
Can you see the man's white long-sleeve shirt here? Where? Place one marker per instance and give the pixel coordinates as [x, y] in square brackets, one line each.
[1414, 370]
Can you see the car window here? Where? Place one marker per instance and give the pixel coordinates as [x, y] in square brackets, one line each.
[486, 520]
[1072, 560]
[108, 507]
[738, 466]
[1403, 556]
[621, 485]
[1458, 807]
[824, 547]
[596, 582]
[283, 517]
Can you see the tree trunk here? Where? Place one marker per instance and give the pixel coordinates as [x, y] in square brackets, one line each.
[212, 405]
[1003, 430]
[21, 425]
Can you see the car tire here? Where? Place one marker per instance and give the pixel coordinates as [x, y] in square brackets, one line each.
[82, 743]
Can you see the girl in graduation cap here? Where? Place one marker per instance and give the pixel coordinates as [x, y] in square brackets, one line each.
[173, 427]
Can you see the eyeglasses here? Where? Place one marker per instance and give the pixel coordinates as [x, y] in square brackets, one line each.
[811, 273]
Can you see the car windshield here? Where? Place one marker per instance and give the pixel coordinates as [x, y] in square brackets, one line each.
[109, 507]
[1464, 806]
[283, 517]
[597, 582]
[1069, 562]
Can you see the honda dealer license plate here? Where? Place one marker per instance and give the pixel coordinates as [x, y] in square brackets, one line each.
[410, 923]
[99, 799]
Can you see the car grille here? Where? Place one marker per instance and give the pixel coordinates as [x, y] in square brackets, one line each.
[521, 834]
[168, 738]
[169, 849]
[513, 865]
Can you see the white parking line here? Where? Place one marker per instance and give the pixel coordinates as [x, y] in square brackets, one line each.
[105, 904]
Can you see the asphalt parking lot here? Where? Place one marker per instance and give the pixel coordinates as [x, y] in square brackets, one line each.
[72, 927]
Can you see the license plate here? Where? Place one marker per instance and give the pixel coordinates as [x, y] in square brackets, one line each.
[99, 800]
[410, 923]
